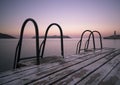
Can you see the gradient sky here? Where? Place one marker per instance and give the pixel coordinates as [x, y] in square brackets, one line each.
[74, 16]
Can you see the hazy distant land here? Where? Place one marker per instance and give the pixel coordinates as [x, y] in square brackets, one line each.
[112, 37]
[6, 36]
[53, 36]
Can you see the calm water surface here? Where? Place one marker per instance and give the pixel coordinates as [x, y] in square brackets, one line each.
[8, 46]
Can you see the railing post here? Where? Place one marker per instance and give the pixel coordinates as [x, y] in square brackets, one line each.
[93, 40]
[44, 42]
[99, 37]
[93, 34]
[80, 42]
[18, 48]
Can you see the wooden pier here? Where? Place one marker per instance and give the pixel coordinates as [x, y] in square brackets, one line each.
[100, 67]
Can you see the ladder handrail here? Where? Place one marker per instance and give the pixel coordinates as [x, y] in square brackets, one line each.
[41, 47]
[80, 41]
[44, 42]
[19, 45]
[87, 42]
[16, 54]
[86, 45]
[99, 37]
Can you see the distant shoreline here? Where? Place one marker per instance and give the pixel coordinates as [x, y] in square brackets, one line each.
[53, 36]
[112, 37]
[6, 36]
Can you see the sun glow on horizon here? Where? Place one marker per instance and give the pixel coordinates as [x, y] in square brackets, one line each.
[74, 16]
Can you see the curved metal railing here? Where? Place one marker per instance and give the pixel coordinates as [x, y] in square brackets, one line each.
[19, 45]
[87, 42]
[100, 37]
[80, 41]
[42, 46]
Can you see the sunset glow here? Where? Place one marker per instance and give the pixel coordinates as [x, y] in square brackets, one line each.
[74, 16]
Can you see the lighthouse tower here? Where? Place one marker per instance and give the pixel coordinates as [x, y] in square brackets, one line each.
[114, 33]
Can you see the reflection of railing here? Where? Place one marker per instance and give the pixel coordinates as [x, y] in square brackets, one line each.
[19, 45]
[42, 46]
[87, 42]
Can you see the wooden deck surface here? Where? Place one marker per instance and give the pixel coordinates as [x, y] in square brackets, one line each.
[100, 67]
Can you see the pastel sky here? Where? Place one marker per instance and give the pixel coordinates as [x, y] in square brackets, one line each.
[74, 16]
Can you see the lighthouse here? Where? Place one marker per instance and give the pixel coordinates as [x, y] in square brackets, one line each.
[114, 33]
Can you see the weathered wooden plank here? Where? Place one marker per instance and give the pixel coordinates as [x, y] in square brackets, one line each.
[113, 77]
[67, 58]
[29, 74]
[68, 71]
[17, 72]
[78, 75]
[104, 64]
[99, 74]
[70, 58]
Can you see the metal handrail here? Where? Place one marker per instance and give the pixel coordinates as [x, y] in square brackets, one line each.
[86, 46]
[41, 47]
[80, 41]
[87, 42]
[19, 45]
[44, 42]
[99, 37]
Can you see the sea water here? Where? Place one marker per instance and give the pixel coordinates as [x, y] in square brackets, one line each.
[52, 48]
